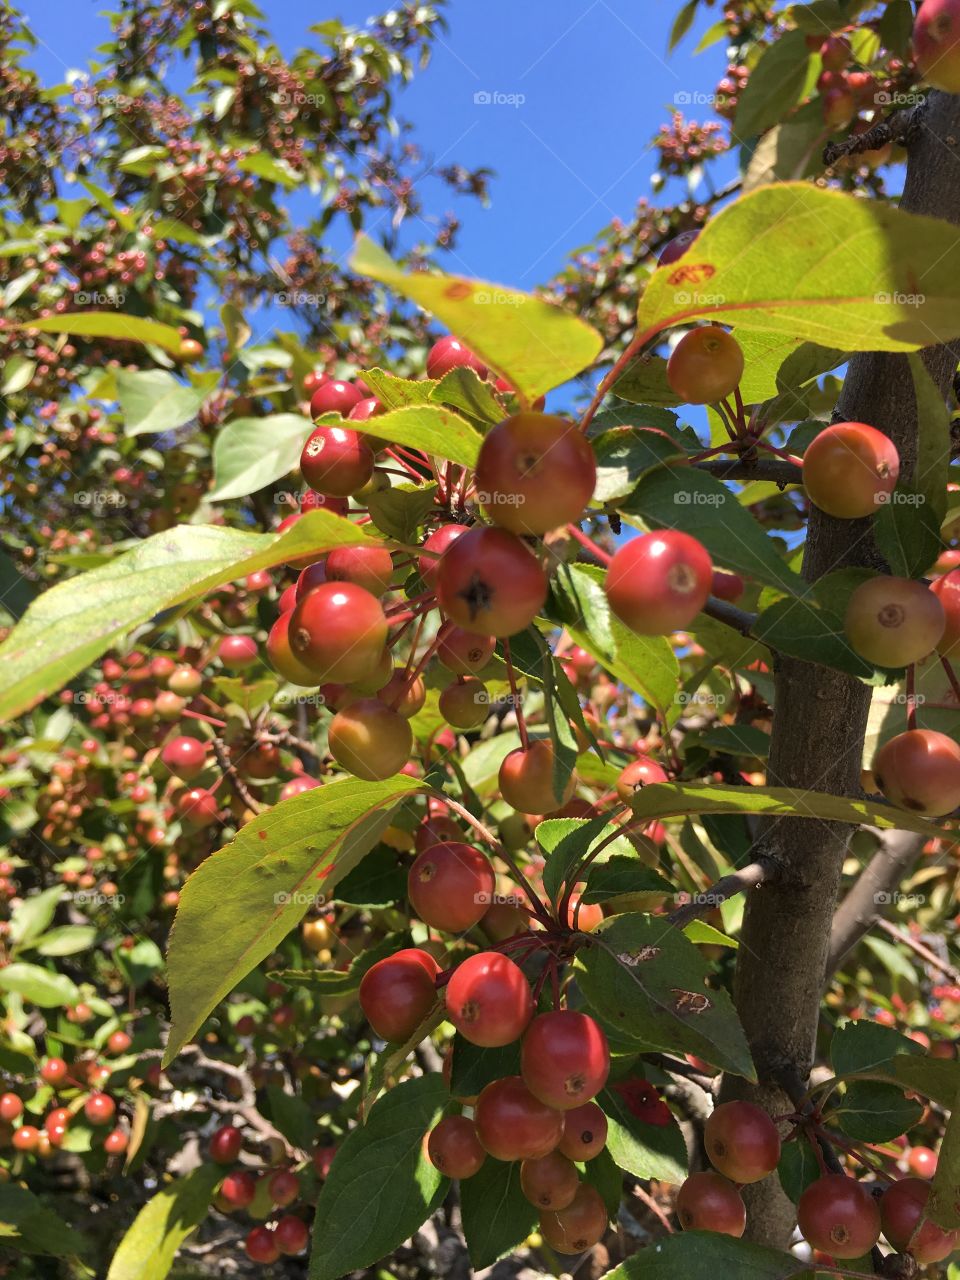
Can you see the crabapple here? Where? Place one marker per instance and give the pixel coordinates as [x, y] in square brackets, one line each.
[54, 1071]
[920, 770]
[936, 43]
[26, 1138]
[514, 1125]
[741, 1141]
[450, 886]
[11, 1107]
[437, 543]
[237, 652]
[726, 586]
[338, 631]
[99, 1108]
[535, 471]
[197, 808]
[849, 469]
[705, 366]
[584, 1132]
[922, 1161]
[115, 1143]
[454, 1148]
[336, 461]
[239, 1188]
[893, 622]
[291, 1234]
[902, 1207]
[402, 694]
[659, 582]
[580, 1225]
[549, 1182]
[638, 774]
[261, 1246]
[526, 779]
[370, 740]
[675, 249]
[947, 591]
[564, 1058]
[435, 829]
[334, 396]
[489, 1000]
[281, 657]
[225, 1144]
[118, 1042]
[707, 1202]
[449, 353]
[369, 567]
[185, 757]
[397, 993]
[488, 581]
[839, 1216]
[465, 704]
[463, 652]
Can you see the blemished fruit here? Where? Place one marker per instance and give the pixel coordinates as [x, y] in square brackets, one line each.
[902, 1206]
[334, 396]
[526, 779]
[368, 567]
[550, 1182]
[397, 993]
[708, 1202]
[936, 43]
[836, 1214]
[465, 704]
[463, 652]
[659, 582]
[291, 1235]
[893, 622]
[336, 460]
[920, 770]
[370, 740]
[741, 1141]
[514, 1125]
[564, 1059]
[584, 1132]
[638, 774]
[282, 658]
[238, 652]
[705, 366]
[185, 757]
[225, 1144]
[338, 631]
[579, 1226]
[947, 591]
[450, 886]
[449, 353]
[261, 1246]
[535, 472]
[454, 1148]
[489, 999]
[488, 581]
[849, 469]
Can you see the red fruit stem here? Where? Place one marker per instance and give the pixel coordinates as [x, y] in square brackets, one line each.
[514, 693]
[911, 697]
[408, 469]
[951, 676]
[412, 675]
[742, 427]
[402, 604]
[780, 453]
[413, 649]
[198, 715]
[603, 556]
[726, 414]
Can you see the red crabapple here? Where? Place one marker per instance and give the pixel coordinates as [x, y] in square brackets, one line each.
[370, 740]
[705, 366]
[526, 779]
[849, 469]
[936, 43]
[741, 1142]
[707, 1202]
[488, 581]
[839, 1216]
[488, 999]
[514, 1125]
[659, 582]
[397, 993]
[449, 353]
[535, 472]
[336, 461]
[450, 886]
[564, 1058]
[550, 1182]
[584, 1132]
[454, 1148]
[334, 397]
[579, 1226]
[920, 770]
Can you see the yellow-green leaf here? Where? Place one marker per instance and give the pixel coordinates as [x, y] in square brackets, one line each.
[111, 324]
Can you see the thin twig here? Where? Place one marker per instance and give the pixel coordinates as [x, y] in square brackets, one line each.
[750, 877]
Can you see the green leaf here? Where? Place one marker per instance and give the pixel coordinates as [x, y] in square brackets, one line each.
[263, 165]
[339, 982]
[33, 1227]
[944, 1203]
[433, 429]
[69, 626]
[776, 85]
[68, 940]
[18, 373]
[705, 1255]
[251, 453]
[806, 629]
[621, 878]
[465, 390]
[399, 393]
[623, 454]
[907, 531]
[643, 1149]
[293, 1116]
[400, 510]
[858, 275]
[152, 400]
[649, 984]
[788, 151]
[933, 439]
[700, 505]
[33, 915]
[875, 1112]
[567, 841]
[148, 1249]
[736, 740]
[602, 1173]
[496, 1214]
[861, 1047]
[111, 324]
[41, 987]
[798, 1167]
[934, 1078]
[380, 1187]
[244, 899]
[534, 345]
[682, 23]
[472, 1068]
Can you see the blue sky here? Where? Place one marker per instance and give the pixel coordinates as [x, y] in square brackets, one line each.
[585, 87]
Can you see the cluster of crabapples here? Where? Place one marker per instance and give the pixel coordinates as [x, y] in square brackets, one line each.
[263, 1196]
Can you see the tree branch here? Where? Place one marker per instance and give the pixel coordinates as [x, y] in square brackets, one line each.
[774, 469]
[723, 611]
[901, 935]
[750, 877]
[857, 913]
[898, 127]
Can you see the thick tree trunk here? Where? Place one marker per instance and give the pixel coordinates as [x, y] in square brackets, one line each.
[819, 725]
